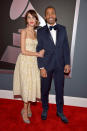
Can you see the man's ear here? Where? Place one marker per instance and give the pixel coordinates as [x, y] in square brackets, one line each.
[56, 19]
[45, 19]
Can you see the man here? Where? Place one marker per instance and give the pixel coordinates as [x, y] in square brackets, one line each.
[53, 39]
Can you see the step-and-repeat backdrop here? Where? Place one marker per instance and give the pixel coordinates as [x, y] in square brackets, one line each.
[12, 14]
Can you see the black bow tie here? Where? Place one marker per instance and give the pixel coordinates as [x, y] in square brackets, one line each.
[53, 27]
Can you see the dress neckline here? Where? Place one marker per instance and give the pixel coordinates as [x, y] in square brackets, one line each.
[31, 39]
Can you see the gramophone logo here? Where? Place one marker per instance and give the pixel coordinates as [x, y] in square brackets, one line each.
[18, 9]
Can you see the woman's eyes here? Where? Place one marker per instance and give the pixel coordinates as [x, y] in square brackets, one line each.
[31, 17]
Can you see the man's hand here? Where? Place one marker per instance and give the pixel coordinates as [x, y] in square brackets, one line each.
[43, 72]
[67, 69]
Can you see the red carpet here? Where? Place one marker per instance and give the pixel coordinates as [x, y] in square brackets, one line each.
[11, 120]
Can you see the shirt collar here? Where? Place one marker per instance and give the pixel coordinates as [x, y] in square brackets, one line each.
[50, 25]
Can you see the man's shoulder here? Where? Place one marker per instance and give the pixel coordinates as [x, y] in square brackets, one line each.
[40, 29]
[61, 26]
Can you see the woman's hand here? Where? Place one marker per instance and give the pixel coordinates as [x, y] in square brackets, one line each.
[41, 53]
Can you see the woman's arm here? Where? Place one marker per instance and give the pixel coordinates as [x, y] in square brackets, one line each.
[23, 49]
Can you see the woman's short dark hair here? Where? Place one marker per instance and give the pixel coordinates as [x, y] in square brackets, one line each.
[34, 14]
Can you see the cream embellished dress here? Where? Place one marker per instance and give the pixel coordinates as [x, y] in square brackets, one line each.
[26, 81]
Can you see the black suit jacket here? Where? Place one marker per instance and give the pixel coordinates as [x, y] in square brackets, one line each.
[56, 55]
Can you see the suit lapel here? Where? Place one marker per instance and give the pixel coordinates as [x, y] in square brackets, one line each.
[57, 35]
[49, 35]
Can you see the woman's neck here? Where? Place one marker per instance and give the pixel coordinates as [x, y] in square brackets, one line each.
[30, 28]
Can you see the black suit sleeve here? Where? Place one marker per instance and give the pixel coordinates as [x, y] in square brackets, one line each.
[66, 50]
[38, 48]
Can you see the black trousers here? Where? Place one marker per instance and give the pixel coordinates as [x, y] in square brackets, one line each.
[58, 77]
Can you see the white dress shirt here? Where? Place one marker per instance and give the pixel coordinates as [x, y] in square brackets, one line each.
[53, 33]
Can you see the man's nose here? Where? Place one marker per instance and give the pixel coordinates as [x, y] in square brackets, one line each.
[50, 16]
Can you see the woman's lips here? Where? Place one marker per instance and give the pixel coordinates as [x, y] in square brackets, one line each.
[31, 22]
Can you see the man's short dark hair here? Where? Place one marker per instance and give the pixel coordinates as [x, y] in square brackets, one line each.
[49, 8]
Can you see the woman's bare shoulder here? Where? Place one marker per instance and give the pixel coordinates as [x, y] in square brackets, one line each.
[23, 33]
[23, 30]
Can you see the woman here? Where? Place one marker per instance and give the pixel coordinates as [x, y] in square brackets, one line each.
[27, 75]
